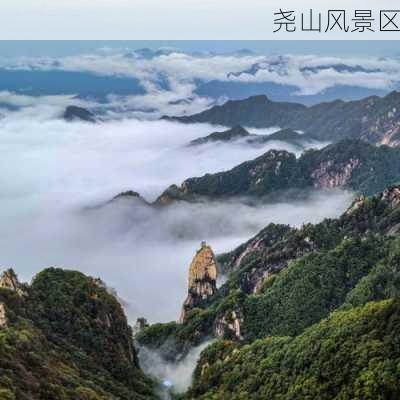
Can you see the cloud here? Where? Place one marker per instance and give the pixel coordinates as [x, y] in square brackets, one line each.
[53, 171]
[170, 77]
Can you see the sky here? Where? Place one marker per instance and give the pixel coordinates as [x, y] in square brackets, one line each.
[50, 48]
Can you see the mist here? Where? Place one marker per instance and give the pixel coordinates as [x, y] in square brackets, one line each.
[56, 179]
[177, 376]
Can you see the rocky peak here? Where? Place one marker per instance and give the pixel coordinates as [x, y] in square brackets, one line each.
[330, 174]
[75, 113]
[391, 196]
[9, 280]
[235, 133]
[202, 279]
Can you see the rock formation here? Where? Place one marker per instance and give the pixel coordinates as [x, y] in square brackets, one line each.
[9, 280]
[230, 325]
[202, 279]
[3, 318]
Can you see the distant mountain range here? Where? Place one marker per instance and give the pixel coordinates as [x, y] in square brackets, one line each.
[373, 119]
[141, 71]
[238, 133]
[237, 90]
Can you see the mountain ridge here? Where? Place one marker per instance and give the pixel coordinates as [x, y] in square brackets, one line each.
[346, 164]
[374, 119]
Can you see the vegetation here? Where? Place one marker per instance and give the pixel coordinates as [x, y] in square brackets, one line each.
[369, 119]
[352, 354]
[284, 280]
[67, 337]
[310, 288]
[349, 164]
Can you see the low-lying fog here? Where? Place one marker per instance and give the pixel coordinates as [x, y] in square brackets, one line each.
[52, 171]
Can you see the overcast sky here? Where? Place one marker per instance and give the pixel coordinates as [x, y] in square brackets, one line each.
[161, 19]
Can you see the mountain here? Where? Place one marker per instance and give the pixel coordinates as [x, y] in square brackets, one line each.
[235, 133]
[349, 164]
[285, 281]
[74, 113]
[350, 355]
[373, 119]
[65, 336]
[239, 133]
[239, 90]
[284, 135]
[256, 111]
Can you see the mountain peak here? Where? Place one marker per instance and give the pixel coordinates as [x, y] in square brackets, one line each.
[259, 98]
[236, 132]
[75, 113]
[9, 280]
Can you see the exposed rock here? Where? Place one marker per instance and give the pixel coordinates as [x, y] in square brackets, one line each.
[357, 203]
[129, 195]
[202, 279]
[9, 280]
[330, 176]
[391, 196]
[74, 113]
[3, 317]
[230, 325]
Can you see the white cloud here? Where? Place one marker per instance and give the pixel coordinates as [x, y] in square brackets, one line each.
[52, 170]
[181, 72]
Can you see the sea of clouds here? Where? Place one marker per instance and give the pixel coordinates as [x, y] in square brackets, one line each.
[57, 177]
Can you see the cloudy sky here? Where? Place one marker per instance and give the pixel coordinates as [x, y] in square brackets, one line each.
[168, 81]
[160, 19]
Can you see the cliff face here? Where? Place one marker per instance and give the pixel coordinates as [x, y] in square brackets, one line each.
[3, 317]
[202, 279]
